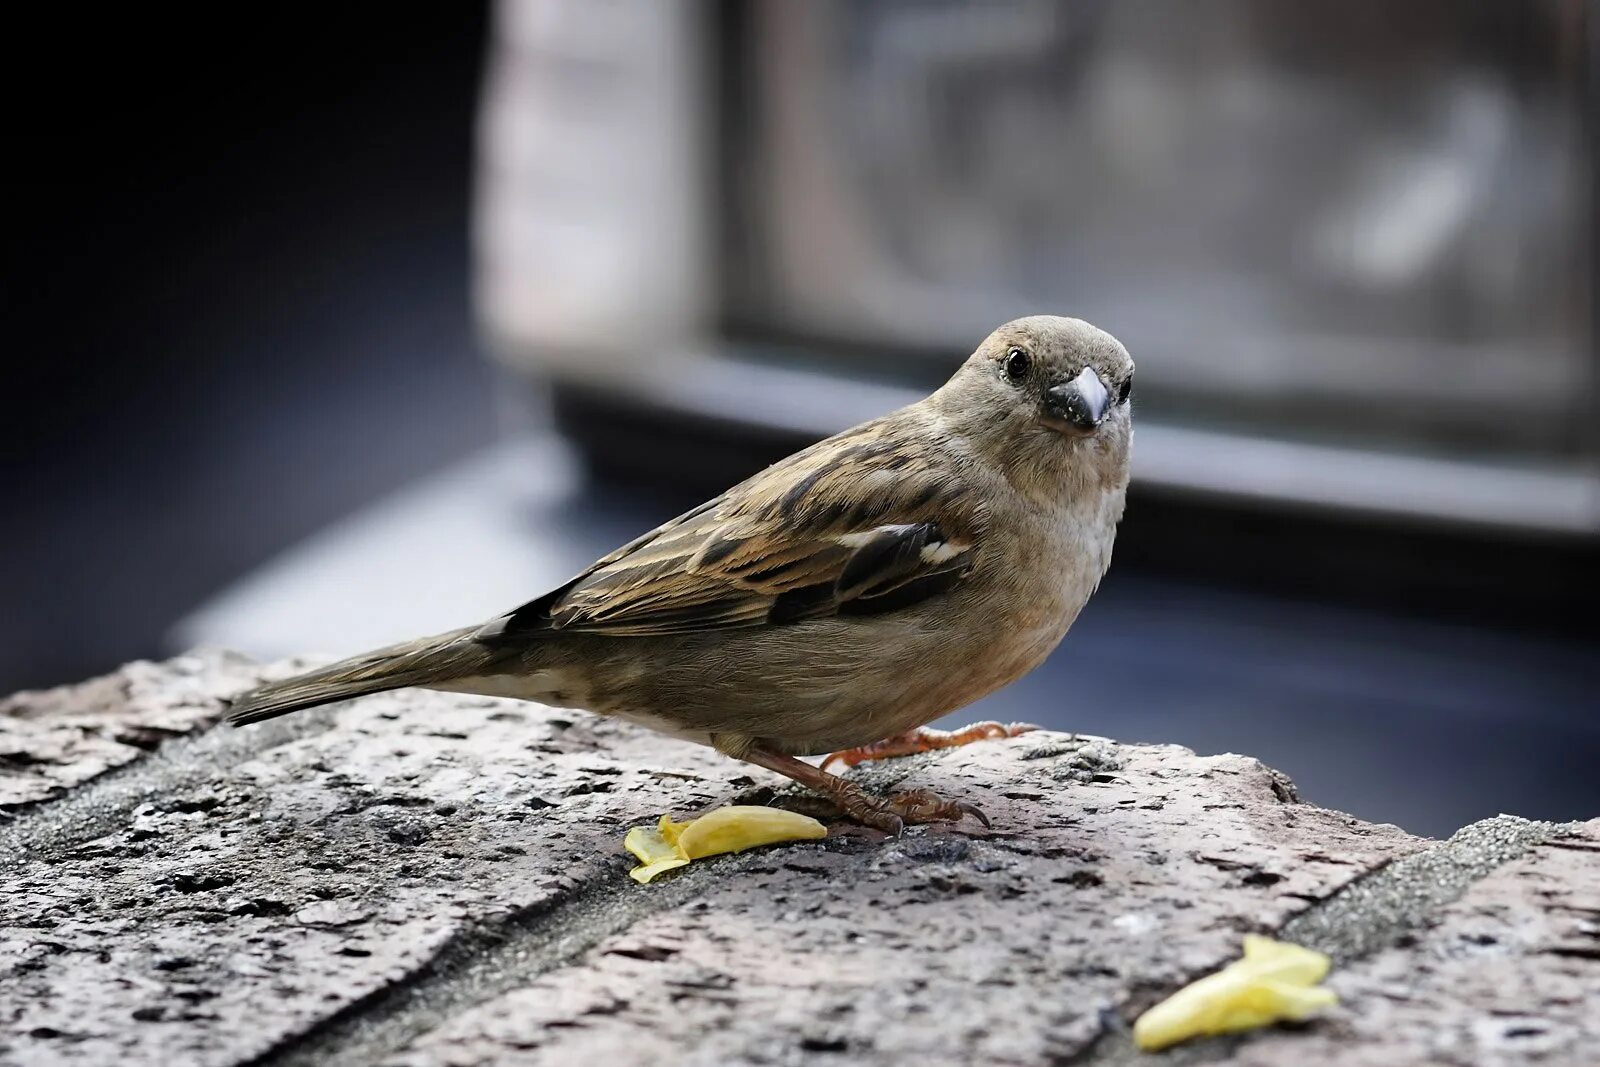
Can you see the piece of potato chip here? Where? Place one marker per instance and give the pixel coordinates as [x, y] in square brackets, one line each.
[654, 852]
[731, 829]
[1274, 981]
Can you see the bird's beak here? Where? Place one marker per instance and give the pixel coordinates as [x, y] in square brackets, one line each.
[1078, 406]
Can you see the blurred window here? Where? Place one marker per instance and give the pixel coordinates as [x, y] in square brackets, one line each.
[1349, 220]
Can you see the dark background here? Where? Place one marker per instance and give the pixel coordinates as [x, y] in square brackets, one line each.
[237, 307]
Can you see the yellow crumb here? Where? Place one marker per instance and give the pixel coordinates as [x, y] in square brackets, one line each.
[1274, 981]
[731, 829]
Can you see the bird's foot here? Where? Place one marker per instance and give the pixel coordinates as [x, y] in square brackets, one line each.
[891, 813]
[926, 739]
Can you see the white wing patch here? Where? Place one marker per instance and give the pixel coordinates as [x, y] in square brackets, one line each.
[861, 537]
[942, 551]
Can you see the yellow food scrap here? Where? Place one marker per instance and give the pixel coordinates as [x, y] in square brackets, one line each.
[1274, 981]
[655, 855]
[731, 829]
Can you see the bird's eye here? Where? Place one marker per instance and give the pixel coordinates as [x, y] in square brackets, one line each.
[1126, 390]
[1017, 364]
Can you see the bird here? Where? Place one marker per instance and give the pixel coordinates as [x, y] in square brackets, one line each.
[838, 601]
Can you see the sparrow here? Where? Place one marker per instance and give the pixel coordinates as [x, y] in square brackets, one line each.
[837, 601]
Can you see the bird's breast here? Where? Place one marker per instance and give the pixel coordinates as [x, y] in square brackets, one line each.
[1041, 567]
[1066, 550]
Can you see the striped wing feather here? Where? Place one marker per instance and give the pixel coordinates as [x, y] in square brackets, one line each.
[856, 525]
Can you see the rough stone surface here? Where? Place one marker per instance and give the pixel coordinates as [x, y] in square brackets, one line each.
[53, 740]
[425, 879]
[1508, 973]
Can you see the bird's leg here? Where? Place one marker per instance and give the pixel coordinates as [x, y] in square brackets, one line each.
[926, 739]
[889, 814]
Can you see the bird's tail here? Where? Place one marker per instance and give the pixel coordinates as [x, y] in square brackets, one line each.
[426, 661]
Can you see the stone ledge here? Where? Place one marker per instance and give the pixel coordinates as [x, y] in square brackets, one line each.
[420, 878]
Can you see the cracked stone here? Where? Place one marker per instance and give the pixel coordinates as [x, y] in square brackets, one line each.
[359, 885]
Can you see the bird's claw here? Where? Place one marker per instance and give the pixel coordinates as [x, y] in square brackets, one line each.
[891, 814]
[974, 811]
[891, 824]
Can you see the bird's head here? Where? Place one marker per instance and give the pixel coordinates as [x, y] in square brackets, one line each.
[1045, 389]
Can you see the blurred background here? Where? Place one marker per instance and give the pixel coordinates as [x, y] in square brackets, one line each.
[337, 328]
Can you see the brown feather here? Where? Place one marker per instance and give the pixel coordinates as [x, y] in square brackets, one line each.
[830, 525]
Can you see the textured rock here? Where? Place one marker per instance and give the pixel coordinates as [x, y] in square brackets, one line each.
[419, 878]
[53, 740]
[1508, 973]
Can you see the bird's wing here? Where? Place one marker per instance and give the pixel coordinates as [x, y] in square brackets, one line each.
[859, 524]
